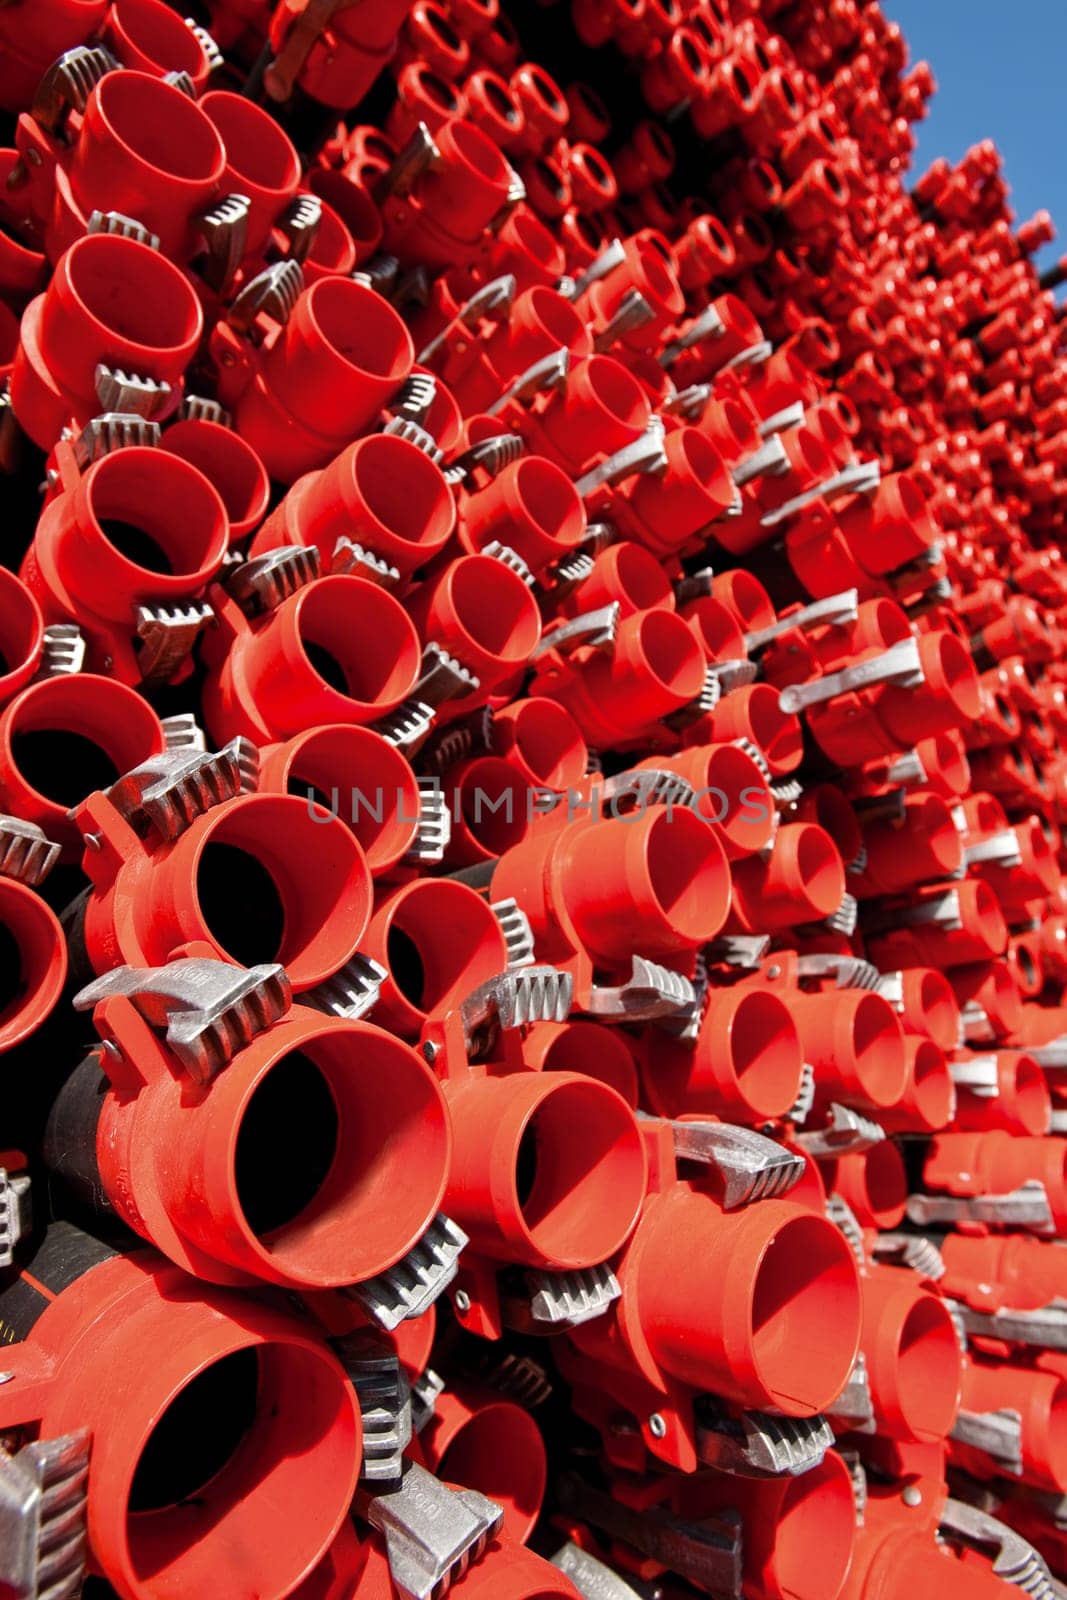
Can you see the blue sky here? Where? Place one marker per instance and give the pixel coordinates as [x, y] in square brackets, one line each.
[1000, 67]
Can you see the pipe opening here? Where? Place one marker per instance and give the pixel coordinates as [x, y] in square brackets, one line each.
[132, 291]
[361, 643]
[928, 1368]
[670, 650]
[12, 985]
[403, 489]
[805, 1283]
[157, 122]
[294, 1092]
[61, 765]
[240, 903]
[159, 512]
[257, 150]
[441, 938]
[361, 327]
[197, 1435]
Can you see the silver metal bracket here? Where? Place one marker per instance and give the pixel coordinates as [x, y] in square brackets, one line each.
[652, 786]
[841, 1214]
[113, 430]
[14, 1212]
[862, 477]
[348, 556]
[769, 461]
[64, 651]
[435, 825]
[848, 972]
[1042, 1329]
[129, 392]
[271, 293]
[415, 397]
[708, 325]
[1025, 1207]
[514, 924]
[541, 1302]
[68, 83]
[224, 230]
[414, 433]
[613, 255]
[751, 1166]
[208, 44]
[900, 664]
[260, 585]
[645, 454]
[754, 1444]
[351, 992]
[632, 312]
[443, 678]
[410, 1287]
[418, 156]
[650, 992]
[121, 227]
[854, 1403]
[689, 403]
[299, 225]
[509, 558]
[168, 792]
[833, 612]
[488, 303]
[1002, 850]
[207, 1010]
[425, 1392]
[384, 1396]
[912, 1250]
[592, 1579]
[512, 1000]
[167, 634]
[183, 732]
[432, 1533]
[1051, 1056]
[543, 377]
[977, 1074]
[26, 852]
[594, 630]
[1015, 1561]
[491, 456]
[801, 1109]
[846, 1134]
[407, 726]
[519, 1378]
[995, 1433]
[43, 1518]
[783, 421]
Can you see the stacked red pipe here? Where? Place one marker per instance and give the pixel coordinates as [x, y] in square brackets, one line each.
[531, 873]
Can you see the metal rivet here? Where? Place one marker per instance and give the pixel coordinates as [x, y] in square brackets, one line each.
[462, 1302]
[656, 1426]
[429, 1050]
[912, 1496]
[93, 841]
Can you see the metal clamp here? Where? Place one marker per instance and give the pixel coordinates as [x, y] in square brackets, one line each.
[43, 1518]
[410, 1287]
[751, 1166]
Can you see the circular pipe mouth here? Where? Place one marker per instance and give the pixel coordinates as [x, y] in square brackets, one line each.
[495, 609]
[229, 464]
[805, 1283]
[258, 153]
[273, 882]
[265, 1425]
[670, 652]
[157, 124]
[493, 805]
[543, 739]
[1030, 1098]
[777, 733]
[815, 1532]
[334, 249]
[470, 148]
[876, 1047]
[33, 962]
[353, 205]
[547, 498]
[499, 1451]
[883, 1185]
[65, 737]
[592, 1051]
[639, 579]
[746, 598]
[133, 294]
[687, 875]
[21, 633]
[159, 36]
[358, 640]
[161, 517]
[406, 494]
[364, 780]
[765, 1052]
[929, 1368]
[555, 321]
[579, 1170]
[439, 941]
[834, 813]
[716, 628]
[615, 392]
[500, 99]
[360, 328]
[739, 802]
[932, 1088]
[368, 1171]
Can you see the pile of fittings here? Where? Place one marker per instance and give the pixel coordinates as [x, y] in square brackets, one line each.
[533, 927]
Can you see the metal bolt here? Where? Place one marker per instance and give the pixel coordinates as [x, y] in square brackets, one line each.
[429, 1050]
[462, 1302]
[912, 1495]
[656, 1426]
[775, 971]
[93, 841]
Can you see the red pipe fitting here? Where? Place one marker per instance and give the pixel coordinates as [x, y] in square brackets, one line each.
[193, 1400]
[854, 1042]
[353, 207]
[646, 158]
[544, 108]
[440, 223]
[141, 527]
[344, 58]
[919, 845]
[801, 879]
[229, 464]
[483, 614]
[423, 95]
[492, 105]
[111, 302]
[678, 74]
[539, 323]
[21, 636]
[438, 941]
[362, 778]
[1021, 1102]
[36, 962]
[705, 252]
[965, 1164]
[542, 741]
[532, 508]
[913, 1356]
[625, 574]
[560, 1180]
[504, 1571]
[645, 270]
[655, 666]
[29, 44]
[777, 1278]
[601, 408]
[666, 510]
[731, 793]
[492, 1445]
[1040, 1400]
[192, 1168]
[261, 161]
[587, 1048]
[900, 1553]
[120, 162]
[1002, 1270]
[341, 649]
[149, 37]
[62, 737]
[258, 878]
[382, 493]
[745, 1064]
[929, 1101]
[491, 809]
[324, 377]
[873, 1184]
[598, 892]
[965, 928]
